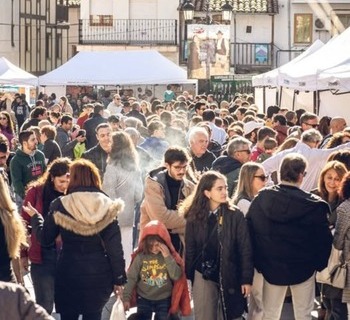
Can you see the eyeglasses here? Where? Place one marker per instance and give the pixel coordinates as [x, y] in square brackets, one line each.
[245, 150]
[262, 177]
[202, 109]
[311, 125]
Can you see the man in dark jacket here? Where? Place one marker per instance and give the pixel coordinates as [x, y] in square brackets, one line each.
[135, 112]
[99, 153]
[238, 153]
[91, 124]
[291, 240]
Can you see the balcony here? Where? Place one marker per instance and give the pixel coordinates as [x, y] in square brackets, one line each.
[252, 57]
[127, 31]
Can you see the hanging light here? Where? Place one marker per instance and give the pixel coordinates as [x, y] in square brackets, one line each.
[226, 11]
[188, 10]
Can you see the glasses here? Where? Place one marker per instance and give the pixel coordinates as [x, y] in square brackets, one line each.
[202, 109]
[262, 177]
[311, 125]
[245, 150]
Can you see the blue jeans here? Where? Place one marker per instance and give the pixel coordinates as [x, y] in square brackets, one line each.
[43, 276]
[146, 307]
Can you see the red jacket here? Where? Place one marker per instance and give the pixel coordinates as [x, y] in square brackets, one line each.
[34, 196]
[180, 298]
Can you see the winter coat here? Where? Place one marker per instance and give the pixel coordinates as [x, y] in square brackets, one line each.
[126, 185]
[25, 168]
[157, 202]
[282, 133]
[155, 146]
[16, 304]
[36, 198]
[236, 259]
[51, 150]
[92, 260]
[138, 115]
[180, 299]
[230, 168]
[342, 241]
[98, 157]
[291, 238]
[65, 143]
[90, 125]
[203, 163]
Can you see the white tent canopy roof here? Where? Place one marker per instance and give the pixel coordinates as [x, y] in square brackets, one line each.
[304, 75]
[271, 78]
[12, 75]
[116, 68]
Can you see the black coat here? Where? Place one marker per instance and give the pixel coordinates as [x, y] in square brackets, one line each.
[98, 157]
[291, 238]
[90, 125]
[236, 260]
[91, 261]
[51, 150]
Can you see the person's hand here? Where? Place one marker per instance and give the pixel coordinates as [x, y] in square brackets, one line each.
[164, 250]
[30, 209]
[118, 290]
[24, 265]
[246, 290]
[126, 305]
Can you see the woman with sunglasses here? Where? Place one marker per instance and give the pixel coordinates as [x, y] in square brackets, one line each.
[251, 180]
[328, 186]
[7, 127]
[40, 194]
[218, 257]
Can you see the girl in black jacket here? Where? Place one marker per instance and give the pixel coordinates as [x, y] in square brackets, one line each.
[218, 256]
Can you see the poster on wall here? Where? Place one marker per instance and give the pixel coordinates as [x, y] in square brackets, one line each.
[208, 50]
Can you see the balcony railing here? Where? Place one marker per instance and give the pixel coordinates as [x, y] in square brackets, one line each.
[250, 57]
[129, 32]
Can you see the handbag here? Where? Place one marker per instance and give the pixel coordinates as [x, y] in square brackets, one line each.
[335, 272]
[118, 310]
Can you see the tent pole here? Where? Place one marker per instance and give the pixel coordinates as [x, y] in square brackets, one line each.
[264, 99]
[293, 107]
[280, 96]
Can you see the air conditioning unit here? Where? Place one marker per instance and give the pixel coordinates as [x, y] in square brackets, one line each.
[319, 25]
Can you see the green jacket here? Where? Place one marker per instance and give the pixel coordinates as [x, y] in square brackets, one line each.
[25, 168]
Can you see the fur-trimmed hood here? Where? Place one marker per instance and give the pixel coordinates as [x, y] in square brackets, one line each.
[89, 212]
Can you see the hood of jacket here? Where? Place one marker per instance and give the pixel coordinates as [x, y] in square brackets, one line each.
[284, 203]
[226, 164]
[89, 212]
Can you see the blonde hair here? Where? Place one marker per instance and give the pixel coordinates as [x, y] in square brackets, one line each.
[15, 232]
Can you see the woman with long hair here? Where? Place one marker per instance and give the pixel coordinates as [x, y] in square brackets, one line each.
[341, 239]
[218, 258]
[65, 105]
[328, 187]
[12, 233]
[146, 108]
[122, 179]
[7, 127]
[251, 180]
[51, 185]
[91, 264]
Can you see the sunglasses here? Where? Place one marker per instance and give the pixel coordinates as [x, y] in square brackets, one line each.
[311, 125]
[262, 177]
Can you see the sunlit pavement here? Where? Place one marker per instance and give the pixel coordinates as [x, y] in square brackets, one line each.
[287, 313]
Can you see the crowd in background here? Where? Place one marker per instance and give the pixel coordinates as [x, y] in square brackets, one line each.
[243, 203]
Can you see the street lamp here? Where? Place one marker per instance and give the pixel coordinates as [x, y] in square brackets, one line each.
[188, 10]
[226, 11]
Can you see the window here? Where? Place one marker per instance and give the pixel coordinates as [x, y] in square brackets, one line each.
[48, 46]
[101, 20]
[302, 28]
[58, 46]
[340, 21]
[27, 38]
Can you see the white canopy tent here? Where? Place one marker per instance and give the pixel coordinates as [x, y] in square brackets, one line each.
[12, 75]
[305, 74]
[270, 78]
[116, 68]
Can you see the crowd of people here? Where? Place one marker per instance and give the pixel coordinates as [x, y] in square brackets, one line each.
[134, 197]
